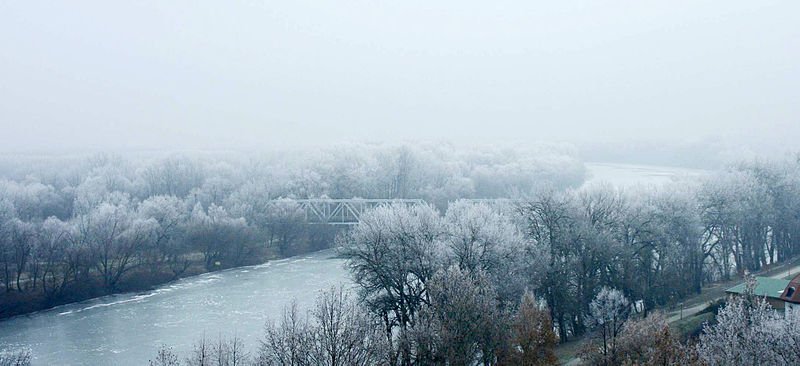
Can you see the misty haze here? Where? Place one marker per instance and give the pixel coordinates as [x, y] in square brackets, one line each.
[399, 183]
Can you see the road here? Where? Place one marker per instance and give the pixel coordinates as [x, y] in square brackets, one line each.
[777, 272]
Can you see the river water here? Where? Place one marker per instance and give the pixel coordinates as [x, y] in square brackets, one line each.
[626, 175]
[127, 329]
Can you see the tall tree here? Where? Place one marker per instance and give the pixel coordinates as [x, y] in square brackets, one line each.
[392, 253]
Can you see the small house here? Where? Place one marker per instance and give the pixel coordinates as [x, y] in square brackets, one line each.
[791, 296]
[773, 289]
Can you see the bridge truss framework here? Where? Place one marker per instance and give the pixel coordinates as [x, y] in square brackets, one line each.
[345, 211]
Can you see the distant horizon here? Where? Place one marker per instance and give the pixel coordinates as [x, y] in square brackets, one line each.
[693, 155]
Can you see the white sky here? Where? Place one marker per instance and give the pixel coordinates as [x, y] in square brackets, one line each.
[208, 74]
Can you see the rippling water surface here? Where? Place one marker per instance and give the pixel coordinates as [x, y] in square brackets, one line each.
[127, 329]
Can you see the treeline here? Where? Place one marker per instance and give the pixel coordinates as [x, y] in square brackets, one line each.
[501, 284]
[77, 227]
[113, 243]
[656, 245]
[660, 245]
[437, 173]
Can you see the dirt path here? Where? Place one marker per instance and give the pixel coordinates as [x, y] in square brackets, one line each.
[680, 314]
[786, 273]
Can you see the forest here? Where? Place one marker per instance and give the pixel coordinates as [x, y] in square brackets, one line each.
[453, 282]
[74, 227]
[484, 284]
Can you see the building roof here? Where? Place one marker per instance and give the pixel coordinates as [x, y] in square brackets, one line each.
[792, 294]
[765, 286]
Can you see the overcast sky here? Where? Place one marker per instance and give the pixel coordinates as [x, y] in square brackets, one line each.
[209, 74]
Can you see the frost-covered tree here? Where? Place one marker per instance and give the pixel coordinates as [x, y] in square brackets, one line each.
[223, 240]
[461, 325]
[23, 242]
[113, 237]
[253, 201]
[54, 252]
[167, 245]
[15, 357]
[32, 199]
[607, 313]
[749, 332]
[392, 254]
[548, 221]
[175, 176]
[485, 239]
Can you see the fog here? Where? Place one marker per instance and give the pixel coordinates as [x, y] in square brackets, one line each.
[399, 183]
[261, 74]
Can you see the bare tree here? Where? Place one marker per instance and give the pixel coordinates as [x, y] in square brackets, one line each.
[53, 253]
[201, 354]
[113, 238]
[228, 352]
[23, 240]
[286, 343]
[342, 334]
[165, 357]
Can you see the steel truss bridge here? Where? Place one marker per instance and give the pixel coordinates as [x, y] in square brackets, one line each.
[345, 211]
[349, 211]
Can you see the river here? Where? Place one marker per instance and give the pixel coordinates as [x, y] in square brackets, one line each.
[626, 175]
[127, 329]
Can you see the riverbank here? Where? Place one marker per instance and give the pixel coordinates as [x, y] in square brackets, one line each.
[16, 303]
[128, 329]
